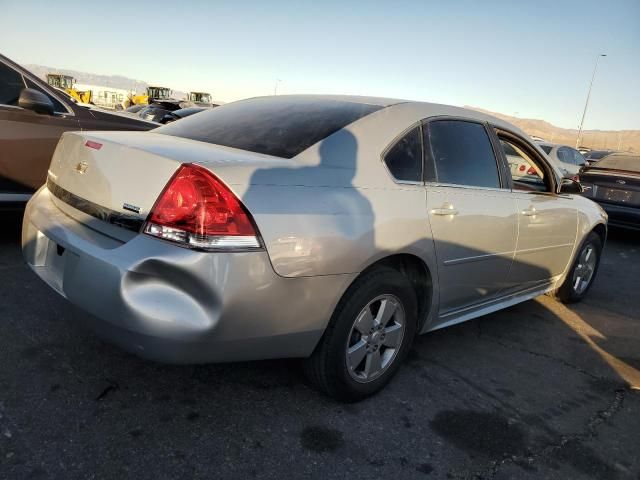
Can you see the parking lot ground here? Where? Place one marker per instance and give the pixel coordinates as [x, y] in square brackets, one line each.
[540, 390]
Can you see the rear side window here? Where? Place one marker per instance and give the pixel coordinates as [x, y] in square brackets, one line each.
[565, 155]
[11, 85]
[280, 126]
[404, 159]
[462, 154]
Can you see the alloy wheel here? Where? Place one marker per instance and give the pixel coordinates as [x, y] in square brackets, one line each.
[585, 269]
[375, 338]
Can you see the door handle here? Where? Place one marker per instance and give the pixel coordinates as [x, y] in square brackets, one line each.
[530, 212]
[445, 209]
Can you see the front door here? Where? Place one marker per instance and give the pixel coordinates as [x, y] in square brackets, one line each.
[547, 222]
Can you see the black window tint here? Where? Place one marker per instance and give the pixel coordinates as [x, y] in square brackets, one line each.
[404, 159]
[280, 126]
[57, 105]
[10, 85]
[462, 154]
[546, 148]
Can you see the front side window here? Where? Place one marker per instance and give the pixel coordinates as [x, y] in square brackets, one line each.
[404, 159]
[526, 174]
[462, 154]
[58, 107]
[11, 85]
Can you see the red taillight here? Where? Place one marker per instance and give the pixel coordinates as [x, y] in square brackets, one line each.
[197, 209]
[576, 178]
[522, 168]
[532, 171]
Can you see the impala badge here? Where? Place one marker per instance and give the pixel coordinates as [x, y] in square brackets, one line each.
[131, 208]
[81, 167]
[621, 182]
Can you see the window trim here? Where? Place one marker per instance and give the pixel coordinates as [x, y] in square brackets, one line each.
[531, 150]
[397, 140]
[428, 156]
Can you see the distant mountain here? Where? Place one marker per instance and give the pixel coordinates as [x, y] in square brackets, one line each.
[113, 81]
[595, 139]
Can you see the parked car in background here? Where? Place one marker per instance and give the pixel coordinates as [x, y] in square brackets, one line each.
[594, 156]
[567, 159]
[33, 115]
[327, 227]
[614, 182]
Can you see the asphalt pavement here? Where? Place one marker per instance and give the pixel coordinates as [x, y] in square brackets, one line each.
[540, 390]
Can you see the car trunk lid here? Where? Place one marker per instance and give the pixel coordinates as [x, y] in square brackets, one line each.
[612, 186]
[117, 177]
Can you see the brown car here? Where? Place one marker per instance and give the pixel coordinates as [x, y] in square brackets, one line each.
[33, 116]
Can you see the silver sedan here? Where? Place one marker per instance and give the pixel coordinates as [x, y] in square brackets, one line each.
[326, 227]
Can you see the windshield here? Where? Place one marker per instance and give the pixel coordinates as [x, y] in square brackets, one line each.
[630, 163]
[156, 92]
[279, 126]
[597, 155]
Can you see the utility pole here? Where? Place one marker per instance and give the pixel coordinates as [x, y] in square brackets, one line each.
[586, 104]
[275, 88]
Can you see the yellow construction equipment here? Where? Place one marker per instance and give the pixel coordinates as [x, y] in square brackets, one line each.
[151, 93]
[67, 84]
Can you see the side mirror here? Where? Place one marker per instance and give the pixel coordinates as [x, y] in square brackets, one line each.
[31, 99]
[570, 186]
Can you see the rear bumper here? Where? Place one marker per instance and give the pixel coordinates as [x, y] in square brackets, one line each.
[622, 216]
[173, 304]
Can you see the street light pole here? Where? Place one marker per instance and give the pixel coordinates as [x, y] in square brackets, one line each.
[586, 104]
[275, 88]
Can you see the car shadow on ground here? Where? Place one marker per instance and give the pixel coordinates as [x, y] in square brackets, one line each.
[522, 392]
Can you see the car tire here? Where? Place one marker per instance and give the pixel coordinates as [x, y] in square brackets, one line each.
[572, 289]
[330, 367]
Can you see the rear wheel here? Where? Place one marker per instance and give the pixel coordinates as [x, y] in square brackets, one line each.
[367, 338]
[582, 272]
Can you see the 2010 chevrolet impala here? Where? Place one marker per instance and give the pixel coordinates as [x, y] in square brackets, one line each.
[332, 228]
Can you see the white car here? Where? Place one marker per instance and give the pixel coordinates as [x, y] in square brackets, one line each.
[568, 160]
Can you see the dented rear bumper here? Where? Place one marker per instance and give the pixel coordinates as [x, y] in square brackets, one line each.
[174, 304]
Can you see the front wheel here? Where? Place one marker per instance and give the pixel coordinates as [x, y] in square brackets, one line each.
[367, 338]
[583, 271]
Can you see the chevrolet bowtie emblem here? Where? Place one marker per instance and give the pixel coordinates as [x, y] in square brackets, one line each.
[81, 167]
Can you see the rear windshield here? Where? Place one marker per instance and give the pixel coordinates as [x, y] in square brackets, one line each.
[279, 126]
[596, 155]
[546, 148]
[630, 163]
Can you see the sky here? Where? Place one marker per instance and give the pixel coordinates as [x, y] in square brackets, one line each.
[531, 59]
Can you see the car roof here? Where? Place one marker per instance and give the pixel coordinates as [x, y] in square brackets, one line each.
[426, 109]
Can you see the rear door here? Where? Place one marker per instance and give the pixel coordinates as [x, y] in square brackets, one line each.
[27, 139]
[473, 216]
[547, 221]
